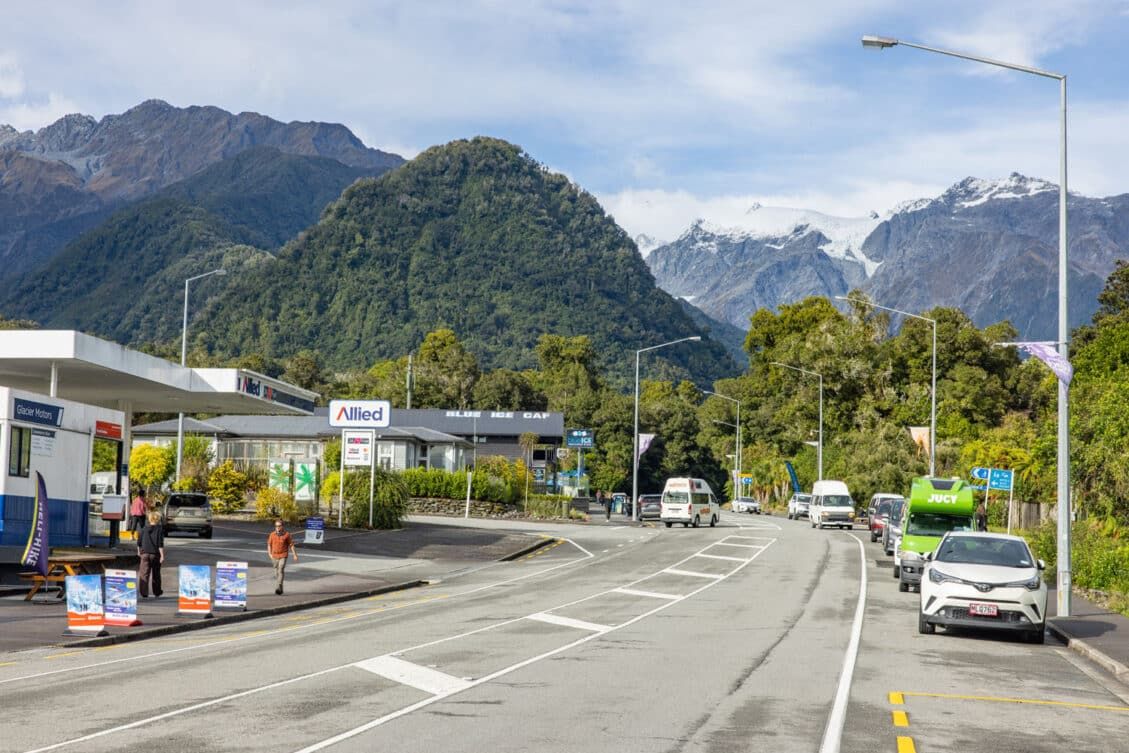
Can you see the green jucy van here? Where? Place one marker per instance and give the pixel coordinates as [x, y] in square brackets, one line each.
[935, 507]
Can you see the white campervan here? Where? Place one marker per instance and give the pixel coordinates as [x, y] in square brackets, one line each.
[689, 501]
[831, 505]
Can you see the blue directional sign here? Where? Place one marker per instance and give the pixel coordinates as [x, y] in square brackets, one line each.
[979, 488]
[980, 474]
[1000, 479]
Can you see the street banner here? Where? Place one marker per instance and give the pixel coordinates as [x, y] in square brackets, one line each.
[35, 553]
[645, 443]
[194, 595]
[231, 585]
[121, 598]
[84, 605]
[315, 530]
[1046, 353]
[792, 474]
[305, 481]
[920, 437]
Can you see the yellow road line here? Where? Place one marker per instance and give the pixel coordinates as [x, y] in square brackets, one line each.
[60, 656]
[900, 719]
[1028, 701]
[905, 745]
[8, 663]
[897, 699]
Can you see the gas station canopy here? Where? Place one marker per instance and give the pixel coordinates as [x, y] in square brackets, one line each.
[87, 369]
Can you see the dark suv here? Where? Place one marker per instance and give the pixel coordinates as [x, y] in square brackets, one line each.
[189, 512]
[650, 506]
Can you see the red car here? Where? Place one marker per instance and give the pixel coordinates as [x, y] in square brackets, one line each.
[879, 513]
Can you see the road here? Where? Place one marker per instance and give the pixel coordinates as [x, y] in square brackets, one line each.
[737, 638]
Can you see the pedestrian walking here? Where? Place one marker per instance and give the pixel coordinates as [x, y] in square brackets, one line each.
[151, 548]
[279, 544]
[608, 499]
[137, 511]
[981, 517]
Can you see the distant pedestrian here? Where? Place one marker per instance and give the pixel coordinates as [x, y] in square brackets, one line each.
[137, 511]
[151, 548]
[279, 544]
[609, 500]
[981, 517]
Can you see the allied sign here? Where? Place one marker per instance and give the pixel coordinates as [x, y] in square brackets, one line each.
[121, 598]
[356, 448]
[231, 585]
[315, 530]
[583, 438]
[194, 595]
[38, 413]
[249, 384]
[84, 605]
[1000, 479]
[360, 414]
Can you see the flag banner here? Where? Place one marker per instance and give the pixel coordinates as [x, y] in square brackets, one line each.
[792, 474]
[644, 443]
[920, 437]
[121, 598]
[194, 595]
[84, 605]
[231, 585]
[36, 551]
[1046, 353]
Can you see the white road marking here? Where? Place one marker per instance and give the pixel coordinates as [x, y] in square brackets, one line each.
[744, 546]
[692, 574]
[648, 594]
[833, 733]
[414, 675]
[556, 619]
[750, 538]
[721, 557]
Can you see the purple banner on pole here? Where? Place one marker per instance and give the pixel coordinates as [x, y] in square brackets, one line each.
[1052, 358]
[645, 443]
[35, 553]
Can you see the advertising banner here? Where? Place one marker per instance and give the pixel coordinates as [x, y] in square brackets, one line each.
[315, 530]
[121, 598]
[84, 605]
[35, 553]
[356, 448]
[231, 585]
[194, 596]
[305, 481]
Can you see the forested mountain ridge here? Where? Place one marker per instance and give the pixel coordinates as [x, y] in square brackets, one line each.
[474, 236]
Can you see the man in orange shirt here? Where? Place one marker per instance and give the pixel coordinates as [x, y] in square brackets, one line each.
[279, 544]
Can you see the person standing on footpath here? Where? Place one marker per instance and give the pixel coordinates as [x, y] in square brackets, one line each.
[137, 510]
[151, 548]
[981, 517]
[279, 544]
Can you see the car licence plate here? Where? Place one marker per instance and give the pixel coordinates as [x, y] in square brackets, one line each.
[983, 610]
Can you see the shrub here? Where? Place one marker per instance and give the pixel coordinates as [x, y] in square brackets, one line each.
[227, 486]
[1099, 559]
[546, 505]
[275, 503]
[389, 504]
[149, 466]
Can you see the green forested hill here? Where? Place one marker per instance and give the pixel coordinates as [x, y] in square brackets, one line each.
[474, 236]
[124, 278]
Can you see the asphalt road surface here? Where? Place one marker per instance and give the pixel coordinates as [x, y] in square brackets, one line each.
[758, 635]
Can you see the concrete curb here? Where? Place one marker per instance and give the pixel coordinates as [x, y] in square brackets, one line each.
[1106, 662]
[529, 549]
[229, 619]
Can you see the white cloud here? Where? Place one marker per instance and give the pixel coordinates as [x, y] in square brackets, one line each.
[11, 76]
[29, 116]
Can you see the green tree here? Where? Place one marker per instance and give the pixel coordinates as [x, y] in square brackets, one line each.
[227, 487]
[504, 390]
[194, 463]
[105, 455]
[445, 372]
[149, 466]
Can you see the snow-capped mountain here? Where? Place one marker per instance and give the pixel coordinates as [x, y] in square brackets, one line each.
[987, 246]
[647, 244]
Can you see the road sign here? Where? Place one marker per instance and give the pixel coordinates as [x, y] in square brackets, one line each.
[360, 414]
[976, 488]
[583, 438]
[1000, 479]
[980, 474]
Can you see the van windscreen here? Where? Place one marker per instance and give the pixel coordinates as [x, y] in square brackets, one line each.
[936, 524]
[838, 500]
[676, 498]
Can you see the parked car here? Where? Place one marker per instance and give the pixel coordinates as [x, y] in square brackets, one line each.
[878, 513]
[689, 501]
[831, 505]
[188, 512]
[893, 529]
[798, 506]
[746, 504]
[983, 580]
[650, 506]
[936, 506]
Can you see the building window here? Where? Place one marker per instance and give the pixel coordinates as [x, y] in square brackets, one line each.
[19, 452]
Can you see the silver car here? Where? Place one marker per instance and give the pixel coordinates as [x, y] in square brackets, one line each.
[893, 529]
[798, 506]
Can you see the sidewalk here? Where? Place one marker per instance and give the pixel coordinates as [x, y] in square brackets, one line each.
[1102, 636]
[349, 565]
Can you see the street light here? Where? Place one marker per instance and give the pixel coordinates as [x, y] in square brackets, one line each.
[737, 463]
[1063, 558]
[933, 387]
[183, 358]
[635, 443]
[819, 450]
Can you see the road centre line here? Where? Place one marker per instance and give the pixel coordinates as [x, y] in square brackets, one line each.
[721, 557]
[293, 628]
[1023, 701]
[833, 733]
[413, 675]
[409, 709]
[556, 619]
[693, 574]
[648, 594]
[900, 718]
[905, 745]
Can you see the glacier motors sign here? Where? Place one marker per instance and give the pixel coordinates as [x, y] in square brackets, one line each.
[360, 414]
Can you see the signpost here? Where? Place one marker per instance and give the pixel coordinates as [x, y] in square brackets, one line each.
[581, 439]
[999, 479]
[359, 414]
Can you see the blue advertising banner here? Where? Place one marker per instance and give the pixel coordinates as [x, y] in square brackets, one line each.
[35, 553]
[84, 605]
[194, 595]
[38, 413]
[121, 598]
[231, 585]
[792, 473]
[315, 530]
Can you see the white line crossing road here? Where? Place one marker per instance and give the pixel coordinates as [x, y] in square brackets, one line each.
[556, 619]
[692, 573]
[722, 557]
[421, 678]
[648, 594]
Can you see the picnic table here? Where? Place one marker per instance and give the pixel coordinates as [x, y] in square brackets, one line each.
[59, 566]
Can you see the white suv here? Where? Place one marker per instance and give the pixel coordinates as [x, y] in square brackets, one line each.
[798, 506]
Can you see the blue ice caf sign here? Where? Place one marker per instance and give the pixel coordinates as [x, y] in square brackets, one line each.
[584, 438]
[360, 414]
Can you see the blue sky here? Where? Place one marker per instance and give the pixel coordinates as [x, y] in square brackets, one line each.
[665, 112]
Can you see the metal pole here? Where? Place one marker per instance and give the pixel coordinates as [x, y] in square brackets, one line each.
[371, 477]
[183, 358]
[820, 453]
[1064, 516]
[341, 479]
[635, 447]
[409, 385]
[739, 488]
[933, 410]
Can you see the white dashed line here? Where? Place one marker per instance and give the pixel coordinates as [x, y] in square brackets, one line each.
[406, 673]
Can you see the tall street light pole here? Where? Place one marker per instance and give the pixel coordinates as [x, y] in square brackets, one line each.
[1064, 585]
[183, 359]
[819, 451]
[635, 443]
[737, 462]
[933, 387]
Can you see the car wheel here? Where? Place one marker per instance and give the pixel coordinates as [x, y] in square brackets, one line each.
[713, 521]
[206, 534]
[897, 571]
[903, 586]
[685, 525]
[789, 516]
[697, 521]
[924, 627]
[668, 523]
[873, 538]
[1038, 637]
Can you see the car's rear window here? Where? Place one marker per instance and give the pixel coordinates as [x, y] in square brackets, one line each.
[188, 501]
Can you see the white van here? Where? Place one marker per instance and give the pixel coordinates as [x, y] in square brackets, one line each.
[689, 501]
[831, 505]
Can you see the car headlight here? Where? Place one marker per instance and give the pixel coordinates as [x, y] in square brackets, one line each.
[937, 576]
[1031, 585]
